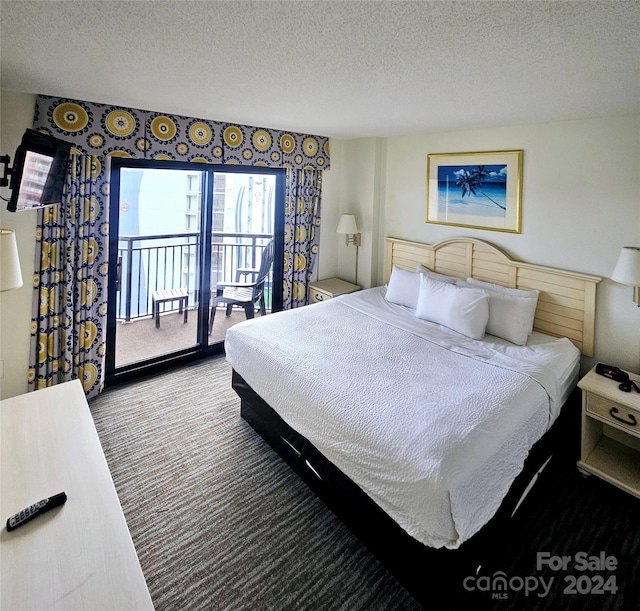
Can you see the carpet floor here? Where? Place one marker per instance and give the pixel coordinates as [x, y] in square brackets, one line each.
[217, 519]
[221, 523]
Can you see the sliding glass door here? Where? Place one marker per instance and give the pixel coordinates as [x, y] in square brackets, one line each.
[185, 241]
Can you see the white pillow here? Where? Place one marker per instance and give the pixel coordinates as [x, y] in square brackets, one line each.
[511, 311]
[435, 275]
[465, 310]
[403, 287]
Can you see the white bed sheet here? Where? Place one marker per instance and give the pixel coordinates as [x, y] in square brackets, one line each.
[433, 426]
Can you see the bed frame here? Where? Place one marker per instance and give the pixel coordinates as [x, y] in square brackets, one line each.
[566, 308]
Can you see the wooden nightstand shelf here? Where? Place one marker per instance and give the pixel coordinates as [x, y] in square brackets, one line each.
[330, 288]
[610, 445]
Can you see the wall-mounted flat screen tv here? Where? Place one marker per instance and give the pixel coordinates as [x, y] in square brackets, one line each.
[39, 171]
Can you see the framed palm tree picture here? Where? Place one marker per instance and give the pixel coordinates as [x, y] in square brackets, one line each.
[477, 190]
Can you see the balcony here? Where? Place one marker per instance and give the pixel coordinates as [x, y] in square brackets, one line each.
[148, 263]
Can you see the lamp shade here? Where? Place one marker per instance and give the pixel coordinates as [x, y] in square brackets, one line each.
[347, 224]
[10, 274]
[627, 270]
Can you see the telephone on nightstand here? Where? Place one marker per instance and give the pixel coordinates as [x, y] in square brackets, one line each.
[616, 374]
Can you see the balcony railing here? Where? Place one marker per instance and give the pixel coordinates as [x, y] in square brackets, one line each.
[148, 263]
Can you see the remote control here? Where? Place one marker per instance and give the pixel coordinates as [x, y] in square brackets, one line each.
[35, 510]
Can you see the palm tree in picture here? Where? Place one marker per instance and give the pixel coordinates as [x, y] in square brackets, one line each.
[470, 182]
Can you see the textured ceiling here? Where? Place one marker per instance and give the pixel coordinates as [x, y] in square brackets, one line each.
[334, 68]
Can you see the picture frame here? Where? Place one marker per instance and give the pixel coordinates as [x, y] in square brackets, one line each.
[480, 190]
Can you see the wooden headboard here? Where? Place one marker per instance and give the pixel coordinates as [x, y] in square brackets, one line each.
[567, 301]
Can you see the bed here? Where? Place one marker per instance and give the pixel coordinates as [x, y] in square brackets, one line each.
[421, 411]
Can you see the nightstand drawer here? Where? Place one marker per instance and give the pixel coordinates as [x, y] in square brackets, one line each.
[614, 413]
[315, 295]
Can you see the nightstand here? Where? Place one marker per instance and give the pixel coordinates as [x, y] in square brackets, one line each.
[330, 288]
[610, 446]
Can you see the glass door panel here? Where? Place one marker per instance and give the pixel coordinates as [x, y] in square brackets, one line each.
[243, 216]
[158, 258]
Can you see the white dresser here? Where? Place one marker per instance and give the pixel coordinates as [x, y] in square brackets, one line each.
[79, 555]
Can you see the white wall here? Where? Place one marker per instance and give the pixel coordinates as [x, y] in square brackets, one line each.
[580, 205]
[353, 185]
[16, 115]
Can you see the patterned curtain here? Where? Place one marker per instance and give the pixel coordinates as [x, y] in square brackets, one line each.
[302, 210]
[69, 309]
[70, 282]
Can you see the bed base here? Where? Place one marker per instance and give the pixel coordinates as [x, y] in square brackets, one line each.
[422, 570]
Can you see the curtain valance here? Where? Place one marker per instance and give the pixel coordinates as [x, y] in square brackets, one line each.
[106, 130]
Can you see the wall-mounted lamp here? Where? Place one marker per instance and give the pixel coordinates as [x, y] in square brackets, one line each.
[627, 270]
[10, 274]
[347, 225]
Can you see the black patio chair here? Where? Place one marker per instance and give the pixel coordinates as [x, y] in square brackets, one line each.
[244, 294]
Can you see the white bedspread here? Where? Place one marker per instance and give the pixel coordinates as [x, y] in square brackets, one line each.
[433, 426]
